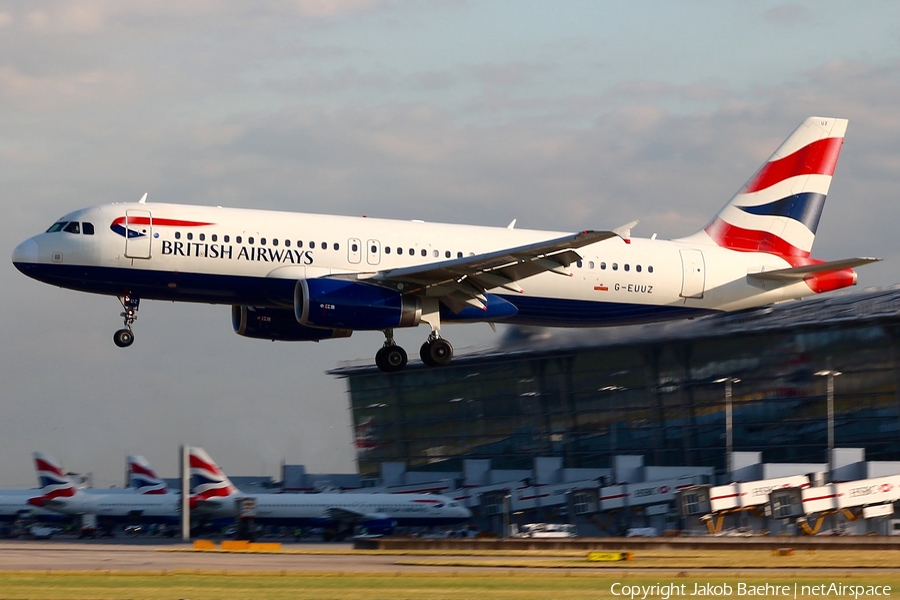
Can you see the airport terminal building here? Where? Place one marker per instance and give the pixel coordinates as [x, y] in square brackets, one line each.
[568, 412]
[658, 390]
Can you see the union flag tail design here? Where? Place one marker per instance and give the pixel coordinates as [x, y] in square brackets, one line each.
[207, 479]
[778, 210]
[143, 479]
[53, 480]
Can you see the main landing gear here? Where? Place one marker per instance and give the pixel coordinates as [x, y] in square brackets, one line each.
[130, 304]
[435, 352]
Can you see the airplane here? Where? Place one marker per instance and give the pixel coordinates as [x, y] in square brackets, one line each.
[310, 277]
[60, 494]
[216, 496]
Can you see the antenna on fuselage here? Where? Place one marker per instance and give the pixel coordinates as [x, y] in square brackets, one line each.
[512, 224]
[143, 199]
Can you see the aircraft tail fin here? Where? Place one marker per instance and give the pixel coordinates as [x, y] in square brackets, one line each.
[207, 479]
[143, 479]
[777, 211]
[54, 482]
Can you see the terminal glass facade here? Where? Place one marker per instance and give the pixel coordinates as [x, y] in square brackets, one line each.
[660, 399]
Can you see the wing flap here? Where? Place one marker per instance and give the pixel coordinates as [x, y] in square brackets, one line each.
[799, 273]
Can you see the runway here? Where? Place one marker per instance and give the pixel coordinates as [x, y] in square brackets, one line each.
[75, 556]
[167, 556]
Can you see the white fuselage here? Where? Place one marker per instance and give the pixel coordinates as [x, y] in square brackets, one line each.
[254, 257]
[405, 509]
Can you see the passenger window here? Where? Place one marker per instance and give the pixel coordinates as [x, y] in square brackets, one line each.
[215, 238]
[615, 266]
[287, 243]
[436, 254]
[355, 248]
[87, 228]
[637, 268]
[72, 227]
[447, 254]
[227, 238]
[459, 255]
[579, 264]
[324, 245]
[412, 251]
[590, 264]
[399, 250]
[238, 239]
[275, 241]
[262, 241]
[387, 249]
[299, 243]
[424, 252]
[627, 267]
[337, 246]
[249, 239]
[603, 266]
[190, 236]
[374, 249]
[312, 245]
[56, 227]
[202, 237]
[649, 269]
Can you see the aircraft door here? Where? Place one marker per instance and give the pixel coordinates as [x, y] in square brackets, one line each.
[354, 251]
[694, 281]
[138, 233]
[373, 255]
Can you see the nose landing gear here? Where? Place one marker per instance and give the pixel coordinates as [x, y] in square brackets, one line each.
[125, 337]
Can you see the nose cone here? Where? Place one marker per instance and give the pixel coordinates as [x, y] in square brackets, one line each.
[25, 253]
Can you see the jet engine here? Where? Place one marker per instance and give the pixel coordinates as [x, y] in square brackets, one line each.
[278, 324]
[348, 304]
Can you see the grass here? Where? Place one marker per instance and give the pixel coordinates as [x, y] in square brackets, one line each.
[438, 585]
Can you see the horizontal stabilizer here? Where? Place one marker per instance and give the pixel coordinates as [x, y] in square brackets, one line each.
[798, 273]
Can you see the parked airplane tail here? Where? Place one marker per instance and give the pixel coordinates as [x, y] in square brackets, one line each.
[207, 479]
[53, 480]
[143, 479]
[778, 210]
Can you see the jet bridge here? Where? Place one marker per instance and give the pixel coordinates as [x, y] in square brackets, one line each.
[750, 496]
[866, 498]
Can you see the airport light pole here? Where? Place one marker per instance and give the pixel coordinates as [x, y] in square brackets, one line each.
[829, 396]
[729, 422]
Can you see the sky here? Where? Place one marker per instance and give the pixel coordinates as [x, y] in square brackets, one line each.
[565, 116]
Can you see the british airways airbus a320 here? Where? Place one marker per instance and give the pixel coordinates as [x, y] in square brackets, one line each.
[307, 277]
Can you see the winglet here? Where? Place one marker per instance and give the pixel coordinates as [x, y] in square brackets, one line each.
[512, 224]
[624, 231]
[143, 199]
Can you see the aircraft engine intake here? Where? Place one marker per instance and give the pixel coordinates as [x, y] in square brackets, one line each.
[278, 324]
[347, 304]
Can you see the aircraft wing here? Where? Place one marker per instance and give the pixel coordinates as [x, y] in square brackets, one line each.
[463, 281]
[798, 273]
[345, 515]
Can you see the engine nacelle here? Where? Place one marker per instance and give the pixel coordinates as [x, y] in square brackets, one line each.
[383, 526]
[278, 324]
[348, 304]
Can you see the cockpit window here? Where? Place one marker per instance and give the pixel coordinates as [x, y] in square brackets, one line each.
[72, 227]
[87, 228]
[56, 227]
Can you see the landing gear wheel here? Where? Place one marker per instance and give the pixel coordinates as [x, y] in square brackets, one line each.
[130, 304]
[123, 338]
[436, 353]
[391, 359]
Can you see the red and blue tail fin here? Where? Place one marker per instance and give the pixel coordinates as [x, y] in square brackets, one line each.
[53, 480]
[143, 479]
[778, 210]
[207, 479]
